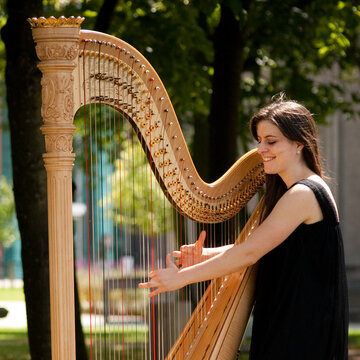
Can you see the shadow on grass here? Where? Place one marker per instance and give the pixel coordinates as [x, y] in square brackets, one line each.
[14, 344]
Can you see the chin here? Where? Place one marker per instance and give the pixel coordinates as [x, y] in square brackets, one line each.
[269, 171]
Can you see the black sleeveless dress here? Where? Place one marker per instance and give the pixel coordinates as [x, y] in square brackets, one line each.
[301, 309]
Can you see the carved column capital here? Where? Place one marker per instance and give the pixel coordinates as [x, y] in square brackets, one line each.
[57, 47]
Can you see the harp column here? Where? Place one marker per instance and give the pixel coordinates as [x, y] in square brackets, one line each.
[57, 46]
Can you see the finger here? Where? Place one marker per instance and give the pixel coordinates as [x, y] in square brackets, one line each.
[176, 254]
[149, 284]
[145, 285]
[154, 293]
[169, 262]
[185, 249]
[200, 242]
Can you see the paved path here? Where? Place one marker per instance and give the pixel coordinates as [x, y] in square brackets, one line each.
[16, 317]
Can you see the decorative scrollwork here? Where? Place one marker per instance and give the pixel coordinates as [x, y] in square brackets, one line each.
[58, 143]
[57, 51]
[57, 94]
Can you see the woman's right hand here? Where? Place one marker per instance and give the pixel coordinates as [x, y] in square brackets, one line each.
[191, 254]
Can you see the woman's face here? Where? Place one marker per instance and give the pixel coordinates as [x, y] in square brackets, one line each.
[279, 154]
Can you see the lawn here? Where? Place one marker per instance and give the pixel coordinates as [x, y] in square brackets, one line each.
[14, 346]
[12, 294]
[14, 343]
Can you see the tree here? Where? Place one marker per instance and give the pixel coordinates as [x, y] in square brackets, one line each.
[27, 146]
[22, 77]
[221, 60]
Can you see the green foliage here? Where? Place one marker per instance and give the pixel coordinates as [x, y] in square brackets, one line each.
[8, 229]
[169, 34]
[3, 19]
[138, 194]
[131, 202]
[287, 44]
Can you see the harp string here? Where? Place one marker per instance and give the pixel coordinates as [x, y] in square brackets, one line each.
[87, 205]
[152, 223]
[118, 212]
[97, 162]
[122, 240]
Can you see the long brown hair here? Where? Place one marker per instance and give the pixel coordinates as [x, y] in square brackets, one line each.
[297, 124]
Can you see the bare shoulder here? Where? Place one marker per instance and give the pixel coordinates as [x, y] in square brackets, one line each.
[301, 201]
[305, 197]
[298, 205]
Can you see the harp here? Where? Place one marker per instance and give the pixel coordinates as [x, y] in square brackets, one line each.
[81, 68]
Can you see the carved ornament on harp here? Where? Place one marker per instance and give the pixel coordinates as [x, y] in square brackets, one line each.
[57, 52]
[58, 143]
[62, 21]
[57, 95]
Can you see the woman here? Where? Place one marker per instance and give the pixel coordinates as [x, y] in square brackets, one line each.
[301, 295]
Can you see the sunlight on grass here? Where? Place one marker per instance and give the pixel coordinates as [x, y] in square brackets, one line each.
[14, 345]
[354, 339]
[12, 294]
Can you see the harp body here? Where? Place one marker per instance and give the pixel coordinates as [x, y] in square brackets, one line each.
[121, 78]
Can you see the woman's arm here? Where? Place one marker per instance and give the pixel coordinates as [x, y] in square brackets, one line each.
[296, 206]
[211, 252]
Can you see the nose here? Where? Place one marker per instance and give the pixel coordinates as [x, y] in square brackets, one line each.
[261, 147]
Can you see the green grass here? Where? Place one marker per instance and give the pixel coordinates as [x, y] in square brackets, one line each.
[354, 339]
[12, 294]
[14, 344]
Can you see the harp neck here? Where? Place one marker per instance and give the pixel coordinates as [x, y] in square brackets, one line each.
[119, 76]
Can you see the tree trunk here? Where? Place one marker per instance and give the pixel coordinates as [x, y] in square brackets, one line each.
[29, 176]
[27, 145]
[104, 16]
[201, 146]
[229, 42]
[224, 107]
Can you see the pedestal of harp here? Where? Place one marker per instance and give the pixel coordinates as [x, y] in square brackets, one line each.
[81, 68]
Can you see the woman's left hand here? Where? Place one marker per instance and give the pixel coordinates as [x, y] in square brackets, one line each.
[163, 280]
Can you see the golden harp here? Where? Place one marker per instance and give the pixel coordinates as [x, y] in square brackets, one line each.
[82, 68]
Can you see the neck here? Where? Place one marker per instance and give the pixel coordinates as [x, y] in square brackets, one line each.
[296, 174]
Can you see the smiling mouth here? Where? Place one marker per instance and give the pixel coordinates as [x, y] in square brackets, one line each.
[267, 159]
